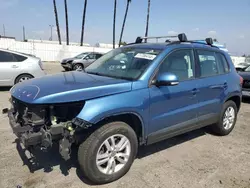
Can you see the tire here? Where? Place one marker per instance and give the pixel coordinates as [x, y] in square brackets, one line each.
[67, 69]
[89, 149]
[78, 67]
[221, 129]
[23, 78]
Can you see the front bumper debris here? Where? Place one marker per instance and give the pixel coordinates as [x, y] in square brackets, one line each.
[38, 127]
[16, 127]
[66, 65]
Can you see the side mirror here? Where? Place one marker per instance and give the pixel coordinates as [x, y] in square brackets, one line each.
[86, 58]
[166, 79]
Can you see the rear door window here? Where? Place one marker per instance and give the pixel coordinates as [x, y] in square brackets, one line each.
[92, 56]
[7, 57]
[208, 63]
[98, 56]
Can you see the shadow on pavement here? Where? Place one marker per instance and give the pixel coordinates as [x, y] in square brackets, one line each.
[171, 142]
[4, 88]
[47, 160]
[246, 100]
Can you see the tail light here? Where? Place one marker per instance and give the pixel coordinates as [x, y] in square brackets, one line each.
[241, 80]
[40, 64]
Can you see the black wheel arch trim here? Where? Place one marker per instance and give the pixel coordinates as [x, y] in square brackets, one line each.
[21, 75]
[143, 136]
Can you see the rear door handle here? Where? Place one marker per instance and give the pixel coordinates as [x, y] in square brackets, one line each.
[195, 91]
[14, 66]
[224, 86]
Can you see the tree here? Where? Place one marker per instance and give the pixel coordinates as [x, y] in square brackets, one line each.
[83, 20]
[148, 12]
[67, 23]
[122, 43]
[115, 2]
[124, 21]
[57, 22]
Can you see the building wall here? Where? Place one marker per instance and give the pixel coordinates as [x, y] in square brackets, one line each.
[48, 51]
[55, 52]
[236, 60]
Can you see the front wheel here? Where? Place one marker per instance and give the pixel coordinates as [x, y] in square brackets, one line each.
[108, 153]
[78, 67]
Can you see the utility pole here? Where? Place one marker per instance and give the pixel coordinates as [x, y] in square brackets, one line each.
[3, 30]
[24, 38]
[51, 28]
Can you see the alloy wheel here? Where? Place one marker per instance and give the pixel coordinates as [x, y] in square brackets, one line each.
[229, 118]
[113, 154]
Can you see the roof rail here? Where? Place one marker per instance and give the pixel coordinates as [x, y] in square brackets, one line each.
[207, 41]
[182, 38]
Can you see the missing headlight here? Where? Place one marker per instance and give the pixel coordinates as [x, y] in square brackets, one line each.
[65, 112]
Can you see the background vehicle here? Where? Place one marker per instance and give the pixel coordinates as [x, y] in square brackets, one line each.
[17, 67]
[245, 74]
[135, 95]
[80, 61]
[242, 66]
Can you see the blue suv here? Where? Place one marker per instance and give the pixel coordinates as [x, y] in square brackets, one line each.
[135, 95]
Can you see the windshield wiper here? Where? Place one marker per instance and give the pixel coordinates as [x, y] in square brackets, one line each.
[95, 73]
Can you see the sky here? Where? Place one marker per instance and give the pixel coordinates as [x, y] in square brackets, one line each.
[226, 20]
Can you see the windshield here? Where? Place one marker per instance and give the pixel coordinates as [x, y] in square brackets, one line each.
[82, 55]
[124, 63]
[247, 69]
[244, 64]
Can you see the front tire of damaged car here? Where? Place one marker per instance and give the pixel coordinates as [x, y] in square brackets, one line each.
[78, 67]
[108, 153]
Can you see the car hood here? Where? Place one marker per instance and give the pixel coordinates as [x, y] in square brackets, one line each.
[68, 59]
[79, 61]
[245, 75]
[68, 87]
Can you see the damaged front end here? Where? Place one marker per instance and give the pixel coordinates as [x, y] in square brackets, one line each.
[41, 125]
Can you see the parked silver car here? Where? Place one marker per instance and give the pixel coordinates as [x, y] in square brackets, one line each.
[17, 67]
[80, 61]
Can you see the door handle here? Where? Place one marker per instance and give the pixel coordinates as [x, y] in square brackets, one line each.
[14, 66]
[224, 86]
[195, 91]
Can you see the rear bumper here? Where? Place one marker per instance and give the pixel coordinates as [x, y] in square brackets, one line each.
[245, 92]
[38, 73]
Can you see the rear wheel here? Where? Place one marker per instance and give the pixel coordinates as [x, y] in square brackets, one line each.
[78, 67]
[22, 78]
[108, 153]
[227, 119]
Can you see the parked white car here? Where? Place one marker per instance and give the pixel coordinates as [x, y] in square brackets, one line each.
[17, 67]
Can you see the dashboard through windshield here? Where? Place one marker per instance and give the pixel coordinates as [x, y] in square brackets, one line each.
[124, 63]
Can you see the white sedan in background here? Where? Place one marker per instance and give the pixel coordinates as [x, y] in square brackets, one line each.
[17, 67]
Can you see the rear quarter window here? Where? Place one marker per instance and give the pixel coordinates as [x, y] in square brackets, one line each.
[223, 63]
[19, 58]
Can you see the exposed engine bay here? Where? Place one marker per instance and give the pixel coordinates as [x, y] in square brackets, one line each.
[41, 125]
